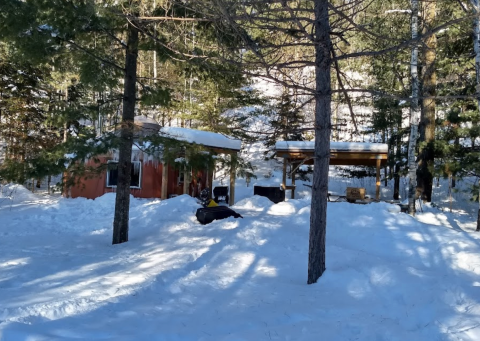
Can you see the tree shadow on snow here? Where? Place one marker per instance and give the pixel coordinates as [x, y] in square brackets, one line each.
[245, 279]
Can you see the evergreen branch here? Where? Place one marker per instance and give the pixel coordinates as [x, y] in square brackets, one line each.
[171, 49]
[147, 19]
[91, 54]
[247, 40]
[350, 20]
[115, 38]
[474, 5]
[402, 98]
[406, 43]
[299, 24]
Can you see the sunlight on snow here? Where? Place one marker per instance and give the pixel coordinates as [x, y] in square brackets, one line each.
[64, 275]
[196, 241]
[233, 268]
[99, 232]
[381, 276]
[416, 237]
[467, 261]
[264, 269]
[359, 288]
[263, 225]
[404, 220]
[424, 254]
[230, 225]
[282, 208]
[416, 272]
[218, 275]
[178, 227]
[15, 262]
[362, 221]
[251, 236]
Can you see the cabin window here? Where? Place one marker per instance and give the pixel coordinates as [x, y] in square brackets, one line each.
[136, 174]
[181, 178]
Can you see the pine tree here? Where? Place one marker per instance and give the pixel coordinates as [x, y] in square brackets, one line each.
[26, 124]
[93, 33]
[428, 108]
[106, 45]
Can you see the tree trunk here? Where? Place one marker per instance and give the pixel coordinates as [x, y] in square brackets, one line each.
[385, 173]
[323, 97]
[414, 114]
[122, 201]
[426, 155]
[476, 46]
[478, 216]
[396, 183]
[454, 174]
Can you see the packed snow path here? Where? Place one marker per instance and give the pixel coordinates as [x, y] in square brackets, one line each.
[389, 276]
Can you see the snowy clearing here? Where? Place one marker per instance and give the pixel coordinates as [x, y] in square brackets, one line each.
[389, 276]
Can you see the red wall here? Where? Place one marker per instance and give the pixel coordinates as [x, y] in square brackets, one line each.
[151, 183]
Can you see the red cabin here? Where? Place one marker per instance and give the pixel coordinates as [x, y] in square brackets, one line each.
[154, 178]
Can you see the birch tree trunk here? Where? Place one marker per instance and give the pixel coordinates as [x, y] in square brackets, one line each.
[414, 113]
[122, 200]
[476, 46]
[155, 52]
[323, 96]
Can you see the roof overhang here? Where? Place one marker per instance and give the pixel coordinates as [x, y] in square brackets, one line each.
[341, 153]
[218, 142]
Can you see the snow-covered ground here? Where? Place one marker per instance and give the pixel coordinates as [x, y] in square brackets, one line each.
[389, 276]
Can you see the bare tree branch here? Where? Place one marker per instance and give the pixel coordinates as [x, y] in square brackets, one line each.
[345, 93]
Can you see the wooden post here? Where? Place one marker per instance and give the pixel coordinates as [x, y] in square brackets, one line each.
[164, 191]
[210, 181]
[233, 171]
[186, 180]
[377, 190]
[284, 177]
[293, 181]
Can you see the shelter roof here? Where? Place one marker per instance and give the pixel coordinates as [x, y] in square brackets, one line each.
[341, 153]
[309, 146]
[206, 138]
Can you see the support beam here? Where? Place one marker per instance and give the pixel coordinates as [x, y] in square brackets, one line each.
[209, 183]
[233, 171]
[186, 180]
[164, 192]
[284, 174]
[294, 171]
[377, 189]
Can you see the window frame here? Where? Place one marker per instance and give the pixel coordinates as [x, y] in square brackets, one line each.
[139, 176]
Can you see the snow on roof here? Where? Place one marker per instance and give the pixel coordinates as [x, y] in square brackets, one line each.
[205, 138]
[334, 146]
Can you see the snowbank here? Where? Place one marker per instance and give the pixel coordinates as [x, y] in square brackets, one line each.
[389, 276]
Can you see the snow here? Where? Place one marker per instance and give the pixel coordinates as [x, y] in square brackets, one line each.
[389, 276]
[205, 138]
[334, 146]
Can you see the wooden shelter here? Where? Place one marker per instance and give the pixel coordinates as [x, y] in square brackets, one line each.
[215, 142]
[153, 177]
[297, 153]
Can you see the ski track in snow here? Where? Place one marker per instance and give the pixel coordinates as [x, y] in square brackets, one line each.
[389, 276]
